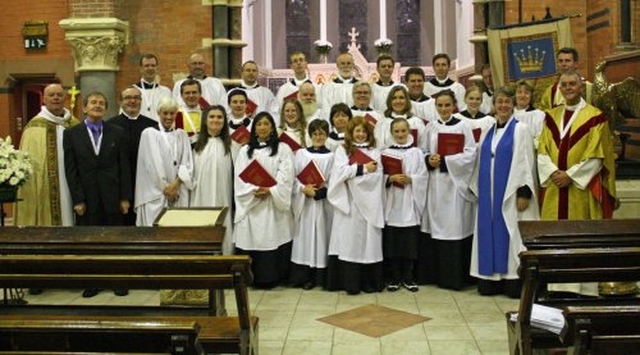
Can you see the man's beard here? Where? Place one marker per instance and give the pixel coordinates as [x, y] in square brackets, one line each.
[309, 108]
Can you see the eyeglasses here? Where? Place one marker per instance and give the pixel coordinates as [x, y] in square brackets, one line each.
[132, 97]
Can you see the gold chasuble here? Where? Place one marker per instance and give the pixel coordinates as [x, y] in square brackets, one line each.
[39, 198]
[588, 138]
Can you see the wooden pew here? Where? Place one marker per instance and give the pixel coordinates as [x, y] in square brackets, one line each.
[237, 334]
[603, 330]
[566, 266]
[104, 334]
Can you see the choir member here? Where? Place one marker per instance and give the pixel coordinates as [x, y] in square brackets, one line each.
[165, 167]
[263, 220]
[237, 101]
[406, 194]
[355, 192]
[293, 124]
[441, 66]
[380, 89]
[472, 114]
[339, 116]
[312, 212]
[524, 110]
[448, 218]
[213, 168]
[399, 106]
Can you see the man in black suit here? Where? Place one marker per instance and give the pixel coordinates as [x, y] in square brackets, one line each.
[97, 170]
[133, 123]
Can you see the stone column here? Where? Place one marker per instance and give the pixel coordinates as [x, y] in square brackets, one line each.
[227, 40]
[96, 43]
[236, 42]
[479, 38]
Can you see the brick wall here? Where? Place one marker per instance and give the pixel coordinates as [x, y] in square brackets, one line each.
[172, 30]
[92, 8]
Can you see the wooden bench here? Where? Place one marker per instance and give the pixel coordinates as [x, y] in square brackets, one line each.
[116, 240]
[566, 266]
[104, 334]
[603, 330]
[238, 334]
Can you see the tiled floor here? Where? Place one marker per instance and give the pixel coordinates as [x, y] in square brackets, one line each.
[461, 322]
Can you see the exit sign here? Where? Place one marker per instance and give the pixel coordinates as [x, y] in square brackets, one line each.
[35, 43]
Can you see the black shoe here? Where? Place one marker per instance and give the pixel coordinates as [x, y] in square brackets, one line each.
[35, 291]
[411, 286]
[90, 292]
[393, 287]
[309, 285]
[121, 292]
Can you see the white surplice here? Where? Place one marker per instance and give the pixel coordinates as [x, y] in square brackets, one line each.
[264, 223]
[213, 180]
[162, 157]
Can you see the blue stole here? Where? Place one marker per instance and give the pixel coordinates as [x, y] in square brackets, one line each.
[493, 236]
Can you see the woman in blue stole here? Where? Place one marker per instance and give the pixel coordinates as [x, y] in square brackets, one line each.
[505, 185]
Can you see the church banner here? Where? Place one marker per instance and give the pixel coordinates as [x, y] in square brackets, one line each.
[527, 51]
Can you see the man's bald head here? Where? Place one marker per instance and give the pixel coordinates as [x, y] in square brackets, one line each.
[53, 99]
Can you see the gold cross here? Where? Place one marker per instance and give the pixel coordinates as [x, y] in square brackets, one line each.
[73, 92]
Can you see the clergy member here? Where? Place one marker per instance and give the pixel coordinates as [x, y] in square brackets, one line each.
[340, 89]
[567, 61]
[259, 98]
[133, 123]
[188, 116]
[309, 101]
[576, 163]
[44, 200]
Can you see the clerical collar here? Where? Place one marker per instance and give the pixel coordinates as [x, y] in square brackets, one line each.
[467, 114]
[261, 145]
[451, 122]
[297, 82]
[441, 83]
[192, 109]
[191, 77]
[336, 136]
[340, 80]
[132, 118]
[366, 109]
[379, 82]
[527, 109]
[319, 150]
[422, 98]
[248, 87]
[147, 85]
[361, 145]
[503, 125]
[574, 107]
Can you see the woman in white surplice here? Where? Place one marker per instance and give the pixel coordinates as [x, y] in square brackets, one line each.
[165, 169]
[263, 221]
[355, 192]
[213, 168]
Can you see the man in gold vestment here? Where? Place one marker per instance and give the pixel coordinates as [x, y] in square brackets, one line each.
[44, 200]
[576, 164]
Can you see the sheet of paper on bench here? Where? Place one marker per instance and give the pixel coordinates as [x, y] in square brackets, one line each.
[545, 317]
[191, 217]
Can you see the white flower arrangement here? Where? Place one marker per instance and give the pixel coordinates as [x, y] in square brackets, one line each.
[323, 46]
[383, 45]
[15, 165]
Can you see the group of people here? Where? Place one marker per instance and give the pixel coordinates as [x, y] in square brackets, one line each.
[351, 186]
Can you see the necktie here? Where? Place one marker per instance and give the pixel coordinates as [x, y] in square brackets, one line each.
[95, 132]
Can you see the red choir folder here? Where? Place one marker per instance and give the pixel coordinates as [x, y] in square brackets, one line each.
[392, 166]
[292, 96]
[414, 133]
[241, 135]
[286, 138]
[255, 174]
[450, 143]
[370, 119]
[359, 157]
[251, 107]
[311, 175]
[476, 134]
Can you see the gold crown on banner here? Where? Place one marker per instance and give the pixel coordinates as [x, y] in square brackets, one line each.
[530, 60]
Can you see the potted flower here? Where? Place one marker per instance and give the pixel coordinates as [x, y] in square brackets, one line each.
[323, 47]
[15, 169]
[383, 45]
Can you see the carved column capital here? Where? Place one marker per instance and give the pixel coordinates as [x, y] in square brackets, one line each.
[96, 42]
